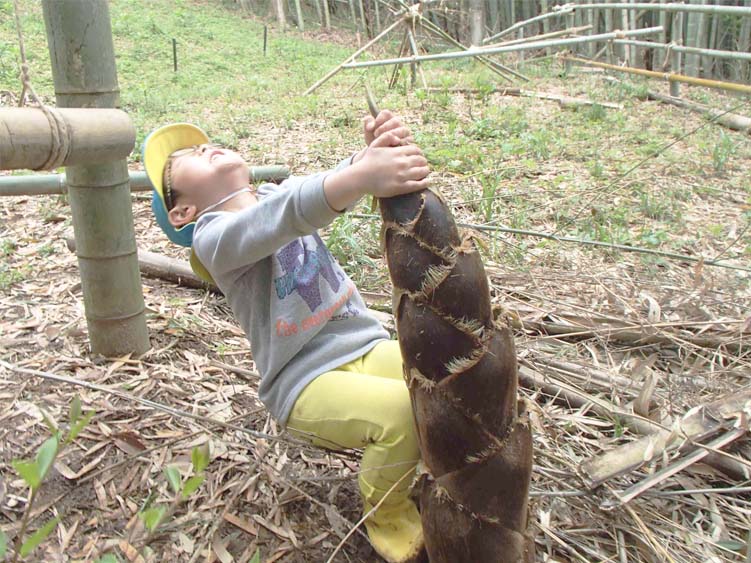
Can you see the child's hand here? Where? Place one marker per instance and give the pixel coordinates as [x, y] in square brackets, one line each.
[386, 122]
[389, 168]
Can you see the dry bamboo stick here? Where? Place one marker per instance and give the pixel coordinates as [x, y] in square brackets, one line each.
[697, 424]
[658, 477]
[634, 334]
[729, 120]
[672, 77]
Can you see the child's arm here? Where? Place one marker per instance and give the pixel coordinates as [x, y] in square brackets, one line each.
[386, 169]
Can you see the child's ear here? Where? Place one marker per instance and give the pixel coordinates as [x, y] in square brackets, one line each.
[182, 215]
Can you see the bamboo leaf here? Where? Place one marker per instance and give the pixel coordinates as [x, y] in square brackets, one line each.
[108, 558]
[29, 472]
[75, 410]
[173, 476]
[49, 422]
[76, 428]
[153, 517]
[200, 456]
[38, 537]
[46, 456]
[3, 544]
[256, 557]
[192, 484]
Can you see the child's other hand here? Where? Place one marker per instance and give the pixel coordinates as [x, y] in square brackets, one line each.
[390, 168]
[386, 122]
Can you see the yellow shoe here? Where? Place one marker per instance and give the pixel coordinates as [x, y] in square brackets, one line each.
[395, 531]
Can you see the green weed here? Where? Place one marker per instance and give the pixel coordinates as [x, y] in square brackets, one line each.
[722, 152]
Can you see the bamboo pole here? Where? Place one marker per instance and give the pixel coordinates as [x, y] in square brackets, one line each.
[476, 21]
[361, 50]
[413, 47]
[735, 55]
[46, 184]
[551, 35]
[676, 60]
[694, 33]
[84, 74]
[362, 17]
[326, 16]
[672, 77]
[563, 11]
[298, 12]
[492, 65]
[672, 7]
[507, 49]
[609, 44]
[85, 136]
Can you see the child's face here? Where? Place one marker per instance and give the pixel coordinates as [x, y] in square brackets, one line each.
[203, 177]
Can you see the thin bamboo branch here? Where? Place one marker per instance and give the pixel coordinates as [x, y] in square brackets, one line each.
[672, 77]
[473, 52]
[614, 246]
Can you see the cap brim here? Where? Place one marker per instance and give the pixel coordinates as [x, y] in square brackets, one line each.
[162, 143]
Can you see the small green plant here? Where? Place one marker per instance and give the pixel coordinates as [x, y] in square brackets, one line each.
[722, 152]
[595, 112]
[596, 169]
[155, 516]
[35, 471]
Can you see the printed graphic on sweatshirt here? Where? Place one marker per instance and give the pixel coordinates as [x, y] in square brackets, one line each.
[303, 266]
[304, 262]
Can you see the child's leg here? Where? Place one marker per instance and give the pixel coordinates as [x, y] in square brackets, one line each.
[359, 410]
[384, 360]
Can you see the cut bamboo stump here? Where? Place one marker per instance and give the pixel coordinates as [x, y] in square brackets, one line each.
[461, 370]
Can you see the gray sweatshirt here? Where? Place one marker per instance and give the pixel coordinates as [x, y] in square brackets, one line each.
[301, 313]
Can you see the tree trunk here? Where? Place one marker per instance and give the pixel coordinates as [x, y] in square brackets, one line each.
[461, 370]
[694, 30]
[744, 45]
[493, 16]
[280, 17]
[326, 17]
[476, 21]
[298, 14]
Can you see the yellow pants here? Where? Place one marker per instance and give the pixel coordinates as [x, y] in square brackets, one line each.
[365, 404]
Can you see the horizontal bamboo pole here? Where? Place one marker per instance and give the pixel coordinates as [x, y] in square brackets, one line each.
[47, 184]
[685, 8]
[669, 76]
[90, 136]
[718, 54]
[473, 52]
[551, 35]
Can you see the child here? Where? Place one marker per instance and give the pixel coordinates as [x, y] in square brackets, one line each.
[329, 373]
